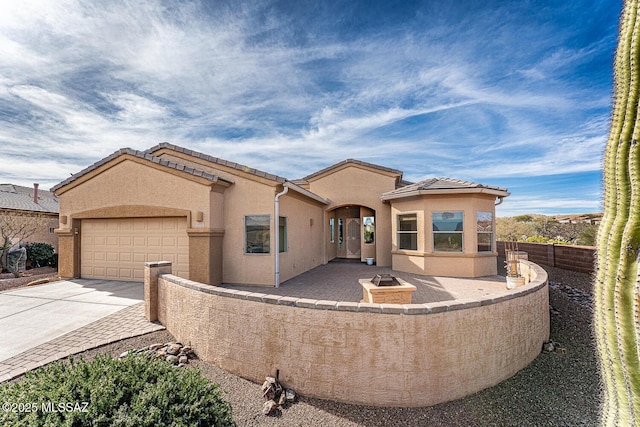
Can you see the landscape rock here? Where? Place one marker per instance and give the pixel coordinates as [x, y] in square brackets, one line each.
[575, 295]
[174, 349]
[548, 347]
[172, 352]
[291, 395]
[269, 407]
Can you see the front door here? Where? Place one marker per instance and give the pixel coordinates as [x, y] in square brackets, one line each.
[353, 237]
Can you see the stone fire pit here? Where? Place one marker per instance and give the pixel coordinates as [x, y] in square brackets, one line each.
[385, 288]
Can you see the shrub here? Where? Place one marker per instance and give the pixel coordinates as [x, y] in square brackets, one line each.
[133, 391]
[41, 254]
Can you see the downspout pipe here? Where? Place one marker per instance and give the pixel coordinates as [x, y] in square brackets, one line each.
[500, 200]
[276, 225]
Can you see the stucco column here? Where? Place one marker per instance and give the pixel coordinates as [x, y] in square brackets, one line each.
[205, 255]
[152, 270]
[69, 250]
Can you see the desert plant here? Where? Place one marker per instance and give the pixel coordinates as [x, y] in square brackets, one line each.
[14, 265]
[616, 290]
[15, 228]
[133, 391]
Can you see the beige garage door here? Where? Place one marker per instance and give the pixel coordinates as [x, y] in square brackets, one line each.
[116, 249]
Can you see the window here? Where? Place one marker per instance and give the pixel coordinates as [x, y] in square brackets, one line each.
[408, 232]
[52, 230]
[369, 229]
[282, 234]
[256, 232]
[484, 222]
[447, 231]
[340, 233]
[332, 230]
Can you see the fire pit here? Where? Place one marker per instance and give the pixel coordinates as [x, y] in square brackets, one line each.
[385, 288]
[385, 279]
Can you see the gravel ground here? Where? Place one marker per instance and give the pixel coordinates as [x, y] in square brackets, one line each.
[554, 390]
[7, 281]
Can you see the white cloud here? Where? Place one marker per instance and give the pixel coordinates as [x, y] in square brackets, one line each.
[447, 96]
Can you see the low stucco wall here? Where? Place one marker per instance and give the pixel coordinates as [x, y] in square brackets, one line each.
[373, 354]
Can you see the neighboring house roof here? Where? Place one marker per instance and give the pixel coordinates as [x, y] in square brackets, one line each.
[443, 186]
[142, 155]
[16, 197]
[218, 161]
[352, 162]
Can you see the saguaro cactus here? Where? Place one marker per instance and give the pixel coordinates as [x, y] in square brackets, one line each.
[617, 281]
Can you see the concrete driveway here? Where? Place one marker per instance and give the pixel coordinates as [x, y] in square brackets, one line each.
[34, 315]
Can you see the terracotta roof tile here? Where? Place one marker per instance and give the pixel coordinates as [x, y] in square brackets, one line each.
[218, 161]
[435, 184]
[355, 162]
[139, 154]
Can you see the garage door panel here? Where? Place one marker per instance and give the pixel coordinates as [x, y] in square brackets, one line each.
[118, 248]
[153, 241]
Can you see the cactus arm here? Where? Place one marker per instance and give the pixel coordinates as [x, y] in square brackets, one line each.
[616, 289]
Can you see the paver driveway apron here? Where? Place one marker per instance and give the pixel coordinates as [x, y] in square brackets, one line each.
[34, 315]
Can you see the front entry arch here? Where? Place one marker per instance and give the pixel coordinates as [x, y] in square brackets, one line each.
[350, 238]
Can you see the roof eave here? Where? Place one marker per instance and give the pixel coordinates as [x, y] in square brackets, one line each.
[140, 157]
[444, 191]
[306, 193]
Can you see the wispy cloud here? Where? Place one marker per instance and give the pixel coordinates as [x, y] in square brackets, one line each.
[432, 88]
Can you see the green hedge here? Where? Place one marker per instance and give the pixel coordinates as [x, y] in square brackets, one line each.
[131, 392]
[41, 255]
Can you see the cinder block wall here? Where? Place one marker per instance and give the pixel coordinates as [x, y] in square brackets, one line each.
[371, 354]
[574, 258]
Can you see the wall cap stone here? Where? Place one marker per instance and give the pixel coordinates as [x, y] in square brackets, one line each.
[158, 264]
[539, 281]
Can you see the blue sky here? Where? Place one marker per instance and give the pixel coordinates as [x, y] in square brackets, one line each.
[509, 93]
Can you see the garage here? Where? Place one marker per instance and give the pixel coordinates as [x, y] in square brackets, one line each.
[116, 249]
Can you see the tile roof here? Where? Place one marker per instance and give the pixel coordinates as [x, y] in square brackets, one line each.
[439, 184]
[355, 162]
[218, 161]
[142, 155]
[17, 197]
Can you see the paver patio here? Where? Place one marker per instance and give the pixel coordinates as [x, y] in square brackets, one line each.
[338, 281]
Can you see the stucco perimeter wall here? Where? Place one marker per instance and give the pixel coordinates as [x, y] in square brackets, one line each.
[372, 354]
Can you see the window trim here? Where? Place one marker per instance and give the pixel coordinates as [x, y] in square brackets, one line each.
[245, 249]
[400, 232]
[434, 233]
[490, 233]
[373, 233]
[332, 230]
[283, 246]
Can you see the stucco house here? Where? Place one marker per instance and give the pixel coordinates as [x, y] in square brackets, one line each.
[27, 202]
[222, 222]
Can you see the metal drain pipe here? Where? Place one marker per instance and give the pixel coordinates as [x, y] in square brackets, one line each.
[276, 229]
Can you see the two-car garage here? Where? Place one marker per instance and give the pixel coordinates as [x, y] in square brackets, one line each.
[117, 248]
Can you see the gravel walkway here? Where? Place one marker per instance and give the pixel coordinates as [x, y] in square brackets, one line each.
[554, 390]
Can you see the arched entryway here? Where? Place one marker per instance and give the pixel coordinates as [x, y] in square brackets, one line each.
[352, 233]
